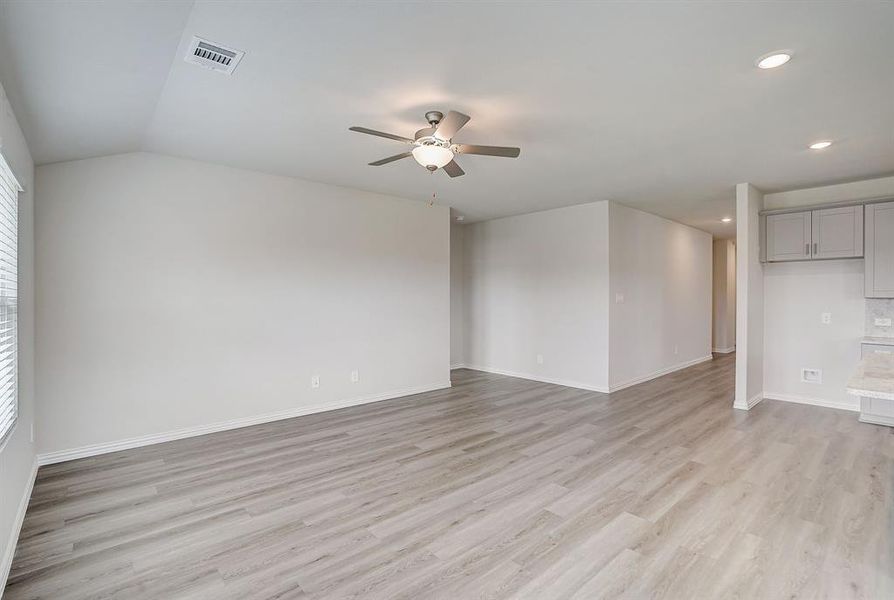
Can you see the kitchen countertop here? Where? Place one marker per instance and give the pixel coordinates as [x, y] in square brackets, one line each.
[878, 341]
[874, 377]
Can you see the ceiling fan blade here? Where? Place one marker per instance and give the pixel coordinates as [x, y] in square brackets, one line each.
[488, 150]
[385, 161]
[390, 136]
[450, 124]
[453, 169]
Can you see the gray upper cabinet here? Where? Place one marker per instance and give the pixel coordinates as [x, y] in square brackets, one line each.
[837, 232]
[880, 250]
[815, 234]
[788, 236]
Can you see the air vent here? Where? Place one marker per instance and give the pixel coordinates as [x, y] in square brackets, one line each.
[213, 56]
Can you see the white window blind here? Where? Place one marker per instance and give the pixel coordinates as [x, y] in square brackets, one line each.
[9, 228]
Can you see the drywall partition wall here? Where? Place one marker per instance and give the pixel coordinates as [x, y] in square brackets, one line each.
[457, 296]
[537, 296]
[724, 282]
[17, 454]
[796, 295]
[660, 296]
[749, 298]
[177, 297]
[881, 187]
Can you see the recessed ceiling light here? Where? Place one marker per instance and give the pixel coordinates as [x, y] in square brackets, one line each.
[726, 219]
[771, 61]
[820, 145]
[460, 218]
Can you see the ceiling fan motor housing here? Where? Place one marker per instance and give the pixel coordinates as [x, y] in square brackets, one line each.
[434, 117]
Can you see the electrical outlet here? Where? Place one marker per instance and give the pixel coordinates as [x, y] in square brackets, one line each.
[539, 359]
[619, 298]
[812, 375]
[32, 433]
[676, 349]
[826, 318]
[882, 322]
[355, 376]
[315, 381]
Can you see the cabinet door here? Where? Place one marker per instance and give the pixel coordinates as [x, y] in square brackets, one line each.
[788, 237]
[879, 273]
[837, 232]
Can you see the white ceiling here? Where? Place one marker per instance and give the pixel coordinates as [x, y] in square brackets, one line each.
[654, 105]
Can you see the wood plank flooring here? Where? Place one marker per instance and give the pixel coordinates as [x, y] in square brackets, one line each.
[496, 488]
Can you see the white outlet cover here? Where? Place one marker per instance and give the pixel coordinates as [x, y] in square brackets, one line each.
[826, 318]
[539, 359]
[619, 298]
[812, 375]
[315, 381]
[355, 376]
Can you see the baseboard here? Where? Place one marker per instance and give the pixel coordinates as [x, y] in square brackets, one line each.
[723, 350]
[876, 419]
[10, 551]
[178, 434]
[750, 403]
[797, 399]
[565, 382]
[659, 373]
[458, 366]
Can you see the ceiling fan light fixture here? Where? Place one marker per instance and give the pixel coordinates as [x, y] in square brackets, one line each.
[432, 156]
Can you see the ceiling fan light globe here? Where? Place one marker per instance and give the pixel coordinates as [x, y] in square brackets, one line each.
[432, 156]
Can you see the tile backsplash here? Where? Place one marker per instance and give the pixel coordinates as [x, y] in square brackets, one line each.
[879, 308]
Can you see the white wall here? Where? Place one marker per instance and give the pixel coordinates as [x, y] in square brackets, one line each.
[749, 298]
[724, 281]
[795, 296]
[18, 453]
[457, 295]
[175, 294]
[538, 284]
[663, 271]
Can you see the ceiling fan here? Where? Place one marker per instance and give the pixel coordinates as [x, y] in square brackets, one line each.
[433, 146]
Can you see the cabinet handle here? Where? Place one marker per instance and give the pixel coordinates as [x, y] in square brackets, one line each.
[807, 249]
[814, 249]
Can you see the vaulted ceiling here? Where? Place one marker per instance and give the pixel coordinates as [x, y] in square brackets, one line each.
[655, 105]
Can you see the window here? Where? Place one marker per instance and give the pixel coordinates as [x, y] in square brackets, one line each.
[9, 234]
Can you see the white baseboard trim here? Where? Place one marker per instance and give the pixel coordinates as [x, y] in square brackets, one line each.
[10, 550]
[458, 366]
[876, 420]
[798, 399]
[50, 458]
[750, 403]
[659, 373]
[723, 350]
[566, 382]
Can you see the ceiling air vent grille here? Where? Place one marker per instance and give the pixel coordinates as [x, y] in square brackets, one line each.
[213, 56]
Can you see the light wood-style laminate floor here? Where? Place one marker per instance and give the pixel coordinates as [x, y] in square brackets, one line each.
[497, 488]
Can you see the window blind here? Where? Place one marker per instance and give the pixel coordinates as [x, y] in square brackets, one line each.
[9, 228]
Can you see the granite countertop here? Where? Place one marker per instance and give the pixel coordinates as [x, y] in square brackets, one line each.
[878, 341]
[874, 377]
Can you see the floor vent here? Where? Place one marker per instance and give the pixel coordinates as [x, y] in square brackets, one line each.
[213, 56]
